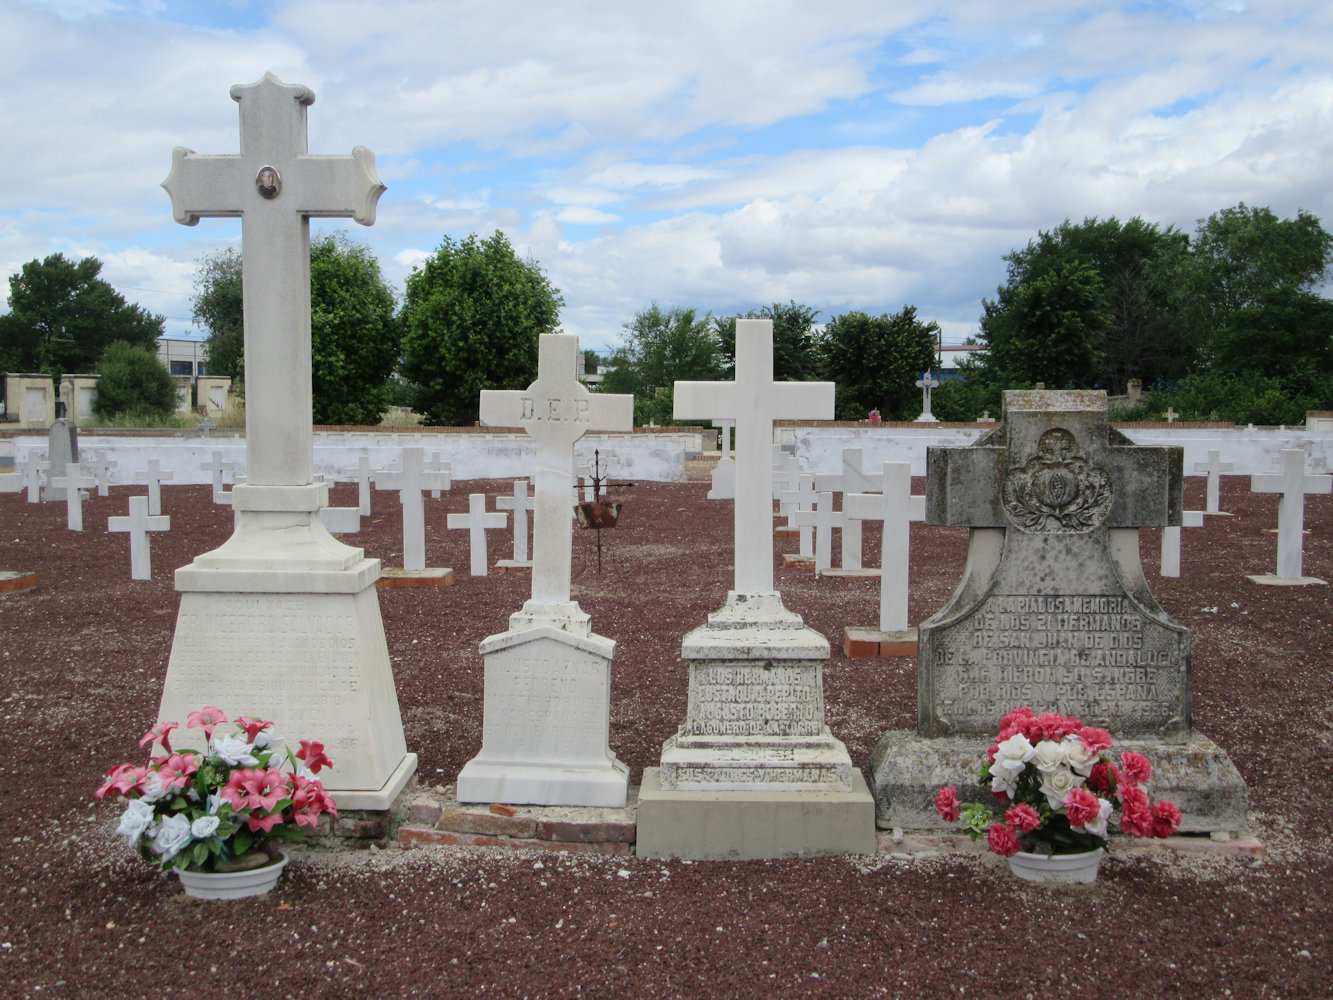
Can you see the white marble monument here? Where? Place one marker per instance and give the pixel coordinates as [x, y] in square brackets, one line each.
[754, 770]
[545, 728]
[283, 620]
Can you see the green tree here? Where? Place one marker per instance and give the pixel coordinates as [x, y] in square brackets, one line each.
[471, 318]
[219, 307]
[875, 361]
[661, 347]
[133, 383]
[354, 333]
[1247, 252]
[796, 354]
[63, 316]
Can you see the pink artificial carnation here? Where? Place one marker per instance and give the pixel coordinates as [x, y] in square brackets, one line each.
[209, 718]
[946, 803]
[313, 756]
[994, 749]
[1002, 840]
[1013, 723]
[1104, 777]
[176, 770]
[252, 727]
[1000, 797]
[1096, 740]
[1135, 816]
[161, 733]
[1135, 767]
[1082, 808]
[1052, 726]
[1165, 818]
[1023, 817]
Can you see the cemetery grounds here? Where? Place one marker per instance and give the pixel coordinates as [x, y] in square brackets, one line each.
[85, 654]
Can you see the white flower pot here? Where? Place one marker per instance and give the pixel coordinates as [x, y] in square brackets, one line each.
[1057, 867]
[232, 885]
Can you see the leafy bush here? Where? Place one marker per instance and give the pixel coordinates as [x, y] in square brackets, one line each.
[133, 383]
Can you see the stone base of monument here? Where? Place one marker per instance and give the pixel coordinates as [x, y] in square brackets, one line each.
[838, 573]
[1274, 531]
[906, 770]
[513, 566]
[15, 582]
[396, 576]
[1269, 580]
[544, 737]
[703, 824]
[864, 643]
[786, 531]
[796, 559]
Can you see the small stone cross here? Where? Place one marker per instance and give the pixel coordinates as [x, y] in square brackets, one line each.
[556, 411]
[897, 508]
[363, 477]
[1171, 541]
[1293, 484]
[754, 401]
[476, 522]
[437, 466]
[100, 468]
[925, 383]
[217, 467]
[32, 477]
[520, 503]
[72, 482]
[138, 524]
[1171, 415]
[824, 519]
[1214, 468]
[153, 476]
[850, 480]
[802, 498]
[411, 479]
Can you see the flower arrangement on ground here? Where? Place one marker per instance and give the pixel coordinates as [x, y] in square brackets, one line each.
[1060, 789]
[222, 810]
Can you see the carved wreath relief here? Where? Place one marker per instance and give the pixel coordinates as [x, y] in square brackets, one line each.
[1058, 491]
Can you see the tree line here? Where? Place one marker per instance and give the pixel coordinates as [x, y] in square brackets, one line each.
[1227, 324]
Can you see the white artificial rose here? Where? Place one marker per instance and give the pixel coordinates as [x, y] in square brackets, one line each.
[172, 834]
[1003, 782]
[234, 751]
[1079, 757]
[1055, 785]
[1011, 758]
[1016, 748]
[1048, 755]
[268, 741]
[1098, 826]
[138, 816]
[152, 787]
[204, 827]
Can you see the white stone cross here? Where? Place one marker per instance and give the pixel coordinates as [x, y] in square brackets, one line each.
[850, 480]
[11, 482]
[1171, 540]
[1214, 468]
[897, 508]
[925, 383]
[556, 410]
[754, 401]
[476, 522]
[723, 475]
[153, 476]
[138, 524]
[1171, 415]
[1293, 484]
[363, 476]
[520, 503]
[786, 472]
[803, 499]
[217, 467]
[411, 479]
[100, 468]
[436, 464]
[726, 427]
[72, 482]
[275, 186]
[32, 477]
[823, 519]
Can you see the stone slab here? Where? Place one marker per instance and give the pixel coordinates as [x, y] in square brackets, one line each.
[786, 532]
[703, 825]
[398, 577]
[1272, 580]
[931, 844]
[839, 573]
[906, 770]
[864, 643]
[381, 798]
[16, 581]
[513, 566]
[796, 559]
[414, 836]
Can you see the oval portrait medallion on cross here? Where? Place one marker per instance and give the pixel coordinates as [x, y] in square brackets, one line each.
[268, 182]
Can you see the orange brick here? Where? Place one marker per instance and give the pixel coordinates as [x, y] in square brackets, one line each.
[586, 833]
[415, 578]
[486, 823]
[860, 643]
[410, 836]
[15, 582]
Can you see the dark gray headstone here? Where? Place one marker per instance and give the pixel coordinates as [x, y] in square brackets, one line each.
[62, 449]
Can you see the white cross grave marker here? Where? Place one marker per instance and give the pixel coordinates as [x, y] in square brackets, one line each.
[1293, 484]
[435, 464]
[73, 482]
[850, 480]
[411, 479]
[754, 401]
[556, 410]
[520, 503]
[824, 519]
[897, 508]
[724, 474]
[32, 477]
[363, 477]
[138, 524]
[1214, 468]
[100, 468]
[1171, 540]
[476, 522]
[153, 476]
[802, 499]
[217, 468]
[925, 383]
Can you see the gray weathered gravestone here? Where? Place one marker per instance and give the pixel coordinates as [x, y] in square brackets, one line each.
[62, 449]
[1054, 612]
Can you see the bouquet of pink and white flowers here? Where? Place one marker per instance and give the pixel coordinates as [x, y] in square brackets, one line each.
[223, 809]
[1060, 788]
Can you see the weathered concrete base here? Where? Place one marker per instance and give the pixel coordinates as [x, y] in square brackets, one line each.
[787, 531]
[864, 573]
[1269, 580]
[382, 798]
[396, 576]
[707, 825]
[864, 643]
[931, 844]
[796, 559]
[906, 770]
[15, 582]
[513, 566]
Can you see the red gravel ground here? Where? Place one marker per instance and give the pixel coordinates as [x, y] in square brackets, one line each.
[84, 658]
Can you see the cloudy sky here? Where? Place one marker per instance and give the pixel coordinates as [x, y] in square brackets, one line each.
[848, 154]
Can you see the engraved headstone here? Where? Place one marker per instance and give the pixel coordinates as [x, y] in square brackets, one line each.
[1054, 611]
[754, 770]
[284, 619]
[476, 522]
[546, 718]
[138, 524]
[62, 449]
[1293, 484]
